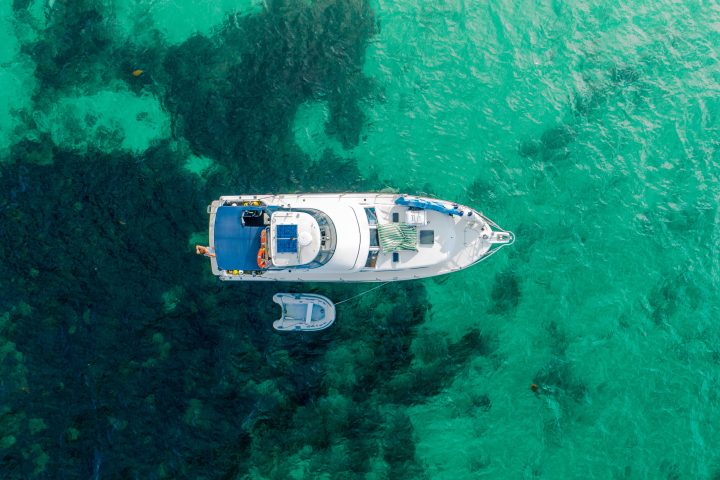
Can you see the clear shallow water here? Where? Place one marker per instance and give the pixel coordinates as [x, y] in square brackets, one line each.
[588, 130]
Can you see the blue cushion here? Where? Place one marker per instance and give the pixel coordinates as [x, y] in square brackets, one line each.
[286, 236]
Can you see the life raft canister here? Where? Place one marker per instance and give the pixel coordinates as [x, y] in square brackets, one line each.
[262, 260]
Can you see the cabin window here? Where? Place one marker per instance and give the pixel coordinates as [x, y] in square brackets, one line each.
[374, 238]
[372, 225]
[372, 258]
[374, 249]
[371, 216]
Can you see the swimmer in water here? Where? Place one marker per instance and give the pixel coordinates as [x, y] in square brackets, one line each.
[200, 250]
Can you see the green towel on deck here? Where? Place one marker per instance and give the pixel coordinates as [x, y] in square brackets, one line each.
[397, 236]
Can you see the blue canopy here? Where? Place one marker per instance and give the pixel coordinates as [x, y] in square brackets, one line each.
[236, 245]
[427, 205]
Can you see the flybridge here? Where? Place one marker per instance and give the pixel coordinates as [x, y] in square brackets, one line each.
[295, 238]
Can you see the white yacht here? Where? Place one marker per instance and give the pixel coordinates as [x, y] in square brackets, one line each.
[345, 237]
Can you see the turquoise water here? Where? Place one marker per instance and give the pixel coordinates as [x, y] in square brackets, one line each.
[589, 130]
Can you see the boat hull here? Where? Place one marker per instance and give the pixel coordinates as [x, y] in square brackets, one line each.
[451, 237]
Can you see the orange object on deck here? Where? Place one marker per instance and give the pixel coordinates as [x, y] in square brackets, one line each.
[262, 260]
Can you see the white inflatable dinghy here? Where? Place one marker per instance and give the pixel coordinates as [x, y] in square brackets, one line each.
[303, 312]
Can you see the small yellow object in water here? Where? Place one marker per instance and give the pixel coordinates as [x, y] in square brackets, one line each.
[138, 72]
